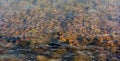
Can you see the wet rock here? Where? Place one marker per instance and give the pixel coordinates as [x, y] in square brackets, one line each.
[61, 51]
[82, 47]
[44, 58]
[41, 58]
[55, 60]
[80, 58]
[114, 49]
[58, 53]
[55, 55]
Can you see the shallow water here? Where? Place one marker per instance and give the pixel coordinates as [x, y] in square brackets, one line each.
[59, 30]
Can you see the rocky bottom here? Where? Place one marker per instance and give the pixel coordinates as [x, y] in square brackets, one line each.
[58, 51]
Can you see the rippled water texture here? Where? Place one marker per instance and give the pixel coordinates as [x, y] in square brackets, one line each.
[59, 30]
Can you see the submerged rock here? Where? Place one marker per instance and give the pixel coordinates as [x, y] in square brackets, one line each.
[41, 58]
